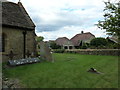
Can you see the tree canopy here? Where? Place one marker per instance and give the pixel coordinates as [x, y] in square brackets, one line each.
[39, 38]
[98, 42]
[111, 22]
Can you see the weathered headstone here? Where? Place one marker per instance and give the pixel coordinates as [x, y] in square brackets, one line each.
[45, 52]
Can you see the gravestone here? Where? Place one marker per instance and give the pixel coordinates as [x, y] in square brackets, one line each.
[23, 61]
[45, 52]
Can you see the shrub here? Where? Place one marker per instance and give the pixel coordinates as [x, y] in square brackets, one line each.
[99, 42]
[59, 50]
[84, 46]
[53, 45]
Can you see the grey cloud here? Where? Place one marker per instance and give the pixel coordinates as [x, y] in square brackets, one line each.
[48, 28]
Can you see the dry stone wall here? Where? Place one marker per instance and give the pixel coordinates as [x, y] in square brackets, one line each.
[112, 52]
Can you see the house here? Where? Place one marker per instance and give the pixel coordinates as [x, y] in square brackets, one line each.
[64, 42]
[18, 32]
[78, 39]
[113, 38]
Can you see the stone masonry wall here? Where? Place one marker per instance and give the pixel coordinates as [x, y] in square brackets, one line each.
[112, 52]
[14, 41]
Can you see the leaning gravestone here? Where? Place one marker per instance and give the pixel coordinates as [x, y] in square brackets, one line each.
[45, 52]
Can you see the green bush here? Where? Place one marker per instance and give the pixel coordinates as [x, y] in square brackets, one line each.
[59, 50]
[84, 46]
[116, 46]
[53, 45]
[99, 43]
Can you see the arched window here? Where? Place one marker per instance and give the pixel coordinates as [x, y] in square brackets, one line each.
[2, 42]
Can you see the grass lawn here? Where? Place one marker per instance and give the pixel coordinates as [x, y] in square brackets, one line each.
[68, 71]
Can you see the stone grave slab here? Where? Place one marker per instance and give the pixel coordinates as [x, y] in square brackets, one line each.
[23, 61]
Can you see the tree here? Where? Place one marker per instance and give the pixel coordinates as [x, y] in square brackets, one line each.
[98, 42]
[111, 22]
[39, 38]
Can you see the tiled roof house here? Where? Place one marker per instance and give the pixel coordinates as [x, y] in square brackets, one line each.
[64, 42]
[84, 37]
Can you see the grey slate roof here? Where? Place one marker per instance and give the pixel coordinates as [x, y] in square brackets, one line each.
[15, 15]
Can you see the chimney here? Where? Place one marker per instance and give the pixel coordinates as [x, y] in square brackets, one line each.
[82, 32]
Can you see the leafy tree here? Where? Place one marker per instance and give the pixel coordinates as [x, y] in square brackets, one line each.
[39, 38]
[98, 42]
[111, 22]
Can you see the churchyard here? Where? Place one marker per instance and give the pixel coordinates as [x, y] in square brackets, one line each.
[83, 61]
[67, 71]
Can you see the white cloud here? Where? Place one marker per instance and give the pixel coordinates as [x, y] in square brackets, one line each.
[70, 31]
[58, 18]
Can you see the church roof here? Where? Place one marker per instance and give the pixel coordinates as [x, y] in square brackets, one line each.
[15, 15]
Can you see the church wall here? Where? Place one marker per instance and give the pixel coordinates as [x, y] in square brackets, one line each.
[14, 41]
[30, 39]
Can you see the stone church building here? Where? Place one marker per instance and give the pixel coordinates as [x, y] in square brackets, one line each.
[17, 39]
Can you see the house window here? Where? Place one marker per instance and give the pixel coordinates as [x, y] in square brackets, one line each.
[2, 43]
[70, 47]
[65, 47]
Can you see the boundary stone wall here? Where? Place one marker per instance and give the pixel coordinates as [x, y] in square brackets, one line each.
[112, 52]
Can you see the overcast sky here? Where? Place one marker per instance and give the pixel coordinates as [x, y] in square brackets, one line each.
[65, 18]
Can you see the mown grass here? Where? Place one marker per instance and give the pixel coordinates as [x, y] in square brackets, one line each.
[68, 71]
